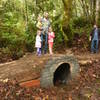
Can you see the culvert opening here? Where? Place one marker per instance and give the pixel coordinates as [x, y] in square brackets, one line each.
[62, 74]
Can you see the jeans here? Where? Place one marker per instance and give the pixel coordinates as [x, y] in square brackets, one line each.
[44, 37]
[38, 51]
[94, 45]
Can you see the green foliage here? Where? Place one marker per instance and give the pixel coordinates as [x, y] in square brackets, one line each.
[80, 26]
[13, 37]
[57, 27]
[80, 22]
[30, 41]
[99, 90]
[13, 44]
[18, 20]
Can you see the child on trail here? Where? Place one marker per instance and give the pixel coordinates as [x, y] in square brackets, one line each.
[51, 36]
[38, 42]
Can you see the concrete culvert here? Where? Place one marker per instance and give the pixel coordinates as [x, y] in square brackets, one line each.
[59, 70]
[61, 74]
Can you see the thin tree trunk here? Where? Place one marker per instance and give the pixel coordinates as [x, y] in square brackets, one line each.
[26, 14]
[83, 7]
[97, 11]
[75, 4]
[68, 10]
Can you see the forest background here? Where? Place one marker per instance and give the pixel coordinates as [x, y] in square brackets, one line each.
[18, 20]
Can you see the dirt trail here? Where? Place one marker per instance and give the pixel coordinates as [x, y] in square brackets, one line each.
[25, 68]
[30, 66]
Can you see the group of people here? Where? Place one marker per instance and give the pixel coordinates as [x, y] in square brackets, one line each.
[94, 38]
[45, 35]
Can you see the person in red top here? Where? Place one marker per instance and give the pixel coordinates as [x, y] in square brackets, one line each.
[51, 36]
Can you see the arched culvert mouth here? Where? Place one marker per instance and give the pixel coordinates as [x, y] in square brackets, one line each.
[59, 70]
[61, 74]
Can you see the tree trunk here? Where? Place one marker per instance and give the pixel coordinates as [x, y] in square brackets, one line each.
[26, 14]
[68, 10]
[97, 11]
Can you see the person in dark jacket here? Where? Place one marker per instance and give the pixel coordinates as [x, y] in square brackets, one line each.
[94, 37]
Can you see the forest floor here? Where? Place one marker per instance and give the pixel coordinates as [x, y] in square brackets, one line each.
[86, 86]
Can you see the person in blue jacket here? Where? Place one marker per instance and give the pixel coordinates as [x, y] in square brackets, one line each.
[95, 37]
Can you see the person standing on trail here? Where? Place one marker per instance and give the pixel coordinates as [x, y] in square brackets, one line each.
[94, 37]
[51, 36]
[38, 42]
[44, 33]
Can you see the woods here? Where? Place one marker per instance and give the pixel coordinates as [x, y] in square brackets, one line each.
[74, 31]
[18, 20]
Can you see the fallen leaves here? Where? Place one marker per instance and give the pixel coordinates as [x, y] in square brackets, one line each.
[85, 87]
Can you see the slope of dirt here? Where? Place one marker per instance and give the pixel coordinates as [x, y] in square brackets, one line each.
[85, 87]
[30, 66]
[26, 68]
